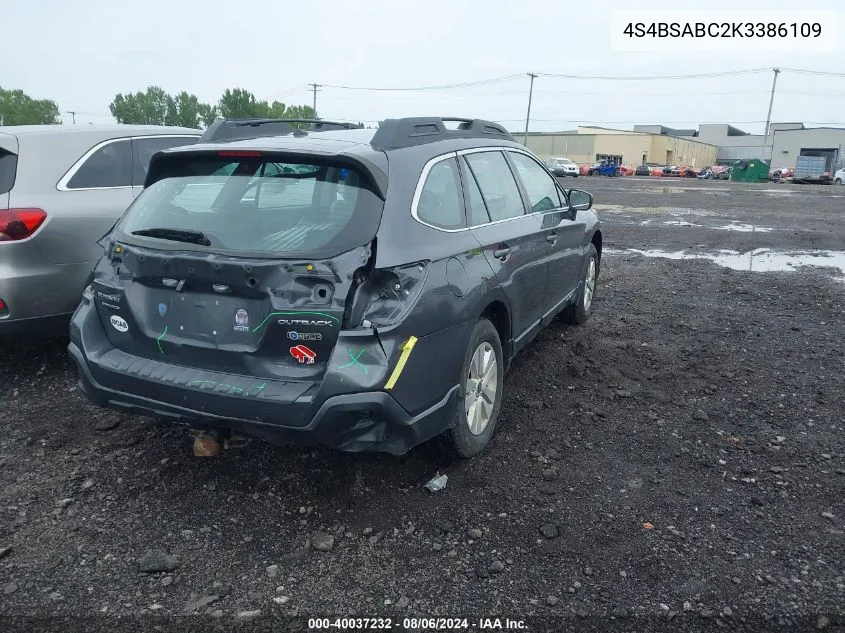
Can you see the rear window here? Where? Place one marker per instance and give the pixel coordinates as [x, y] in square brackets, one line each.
[257, 205]
[8, 168]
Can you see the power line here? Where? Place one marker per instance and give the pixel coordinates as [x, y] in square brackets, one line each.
[727, 73]
[464, 84]
[822, 73]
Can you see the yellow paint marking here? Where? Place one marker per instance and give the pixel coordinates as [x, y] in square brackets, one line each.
[400, 365]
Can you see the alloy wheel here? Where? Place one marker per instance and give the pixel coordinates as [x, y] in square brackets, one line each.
[480, 394]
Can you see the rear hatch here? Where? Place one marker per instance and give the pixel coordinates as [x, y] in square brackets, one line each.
[8, 167]
[240, 262]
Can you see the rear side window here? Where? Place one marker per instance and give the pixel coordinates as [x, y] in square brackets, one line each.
[256, 205]
[541, 188]
[8, 168]
[499, 189]
[476, 209]
[144, 148]
[439, 203]
[109, 166]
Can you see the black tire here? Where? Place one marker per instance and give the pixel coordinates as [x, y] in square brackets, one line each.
[838, 181]
[574, 175]
[459, 441]
[578, 312]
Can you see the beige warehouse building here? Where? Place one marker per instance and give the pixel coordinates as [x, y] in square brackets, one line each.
[589, 144]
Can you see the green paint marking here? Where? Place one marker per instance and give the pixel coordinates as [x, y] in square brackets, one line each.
[158, 340]
[354, 361]
[272, 314]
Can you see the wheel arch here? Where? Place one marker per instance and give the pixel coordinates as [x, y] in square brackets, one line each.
[596, 241]
[498, 314]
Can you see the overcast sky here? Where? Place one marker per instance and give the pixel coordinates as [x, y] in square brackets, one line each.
[82, 53]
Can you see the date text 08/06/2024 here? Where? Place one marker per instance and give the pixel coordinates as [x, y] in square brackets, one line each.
[417, 624]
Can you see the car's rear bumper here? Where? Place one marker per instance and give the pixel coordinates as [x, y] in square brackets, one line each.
[348, 410]
[40, 295]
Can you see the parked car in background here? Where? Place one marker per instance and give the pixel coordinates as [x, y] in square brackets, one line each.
[292, 287]
[61, 188]
[722, 172]
[671, 170]
[782, 174]
[625, 170]
[603, 168]
[642, 170]
[839, 177]
[689, 172]
[562, 167]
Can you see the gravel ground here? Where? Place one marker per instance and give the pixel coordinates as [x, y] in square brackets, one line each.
[677, 463]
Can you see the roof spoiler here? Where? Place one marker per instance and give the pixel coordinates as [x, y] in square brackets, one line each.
[411, 131]
[223, 130]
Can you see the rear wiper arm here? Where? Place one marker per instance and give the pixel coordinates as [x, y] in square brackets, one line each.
[177, 235]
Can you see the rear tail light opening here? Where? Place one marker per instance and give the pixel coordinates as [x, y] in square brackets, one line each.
[19, 224]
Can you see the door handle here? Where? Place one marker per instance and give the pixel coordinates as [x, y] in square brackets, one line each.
[502, 252]
[551, 238]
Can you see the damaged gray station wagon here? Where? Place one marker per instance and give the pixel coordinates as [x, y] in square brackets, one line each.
[361, 289]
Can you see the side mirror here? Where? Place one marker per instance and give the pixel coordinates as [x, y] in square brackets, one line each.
[580, 200]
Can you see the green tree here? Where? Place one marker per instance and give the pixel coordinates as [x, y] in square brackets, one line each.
[186, 110]
[18, 108]
[154, 106]
[150, 107]
[237, 103]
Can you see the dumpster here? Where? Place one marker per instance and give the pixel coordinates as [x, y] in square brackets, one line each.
[750, 170]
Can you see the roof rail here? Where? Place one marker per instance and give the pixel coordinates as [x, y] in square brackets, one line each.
[239, 129]
[411, 131]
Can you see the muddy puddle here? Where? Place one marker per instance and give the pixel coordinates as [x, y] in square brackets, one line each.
[758, 260]
[733, 226]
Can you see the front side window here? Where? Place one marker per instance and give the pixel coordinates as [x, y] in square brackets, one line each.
[439, 203]
[254, 205]
[541, 188]
[108, 166]
[498, 187]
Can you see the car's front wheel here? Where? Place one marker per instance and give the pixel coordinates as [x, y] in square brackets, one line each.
[838, 181]
[480, 395]
[579, 311]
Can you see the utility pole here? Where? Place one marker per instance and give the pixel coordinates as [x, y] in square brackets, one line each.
[72, 113]
[528, 114]
[314, 86]
[769, 118]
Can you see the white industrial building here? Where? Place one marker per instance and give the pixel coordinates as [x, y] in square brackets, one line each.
[781, 147]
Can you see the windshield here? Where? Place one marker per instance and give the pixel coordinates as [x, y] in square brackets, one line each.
[255, 205]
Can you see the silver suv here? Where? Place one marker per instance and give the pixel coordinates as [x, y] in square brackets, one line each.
[61, 189]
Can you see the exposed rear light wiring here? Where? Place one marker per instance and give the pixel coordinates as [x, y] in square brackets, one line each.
[386, 295]
[19, 224]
